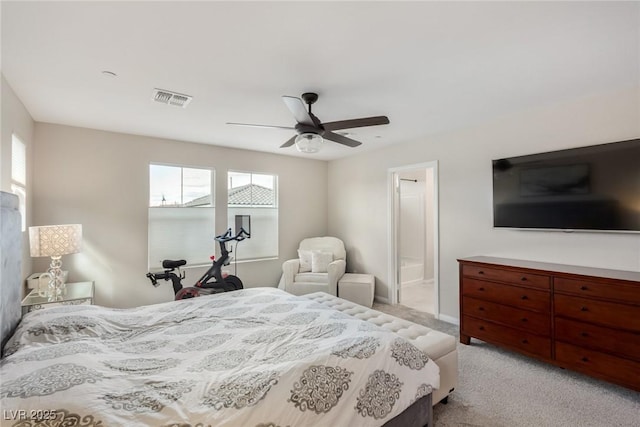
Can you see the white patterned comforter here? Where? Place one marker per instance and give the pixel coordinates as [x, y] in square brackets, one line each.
[254, 357]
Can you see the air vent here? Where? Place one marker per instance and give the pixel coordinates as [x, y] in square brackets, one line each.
[171, 98]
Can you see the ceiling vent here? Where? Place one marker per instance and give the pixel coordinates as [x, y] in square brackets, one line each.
[171, 98]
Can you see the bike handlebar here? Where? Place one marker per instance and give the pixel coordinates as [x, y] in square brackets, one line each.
[227, 237]
[153, 279]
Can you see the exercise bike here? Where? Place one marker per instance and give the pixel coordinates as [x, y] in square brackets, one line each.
[213, 281]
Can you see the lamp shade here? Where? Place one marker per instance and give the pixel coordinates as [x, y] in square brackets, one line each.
[55, 240]
[308, 142]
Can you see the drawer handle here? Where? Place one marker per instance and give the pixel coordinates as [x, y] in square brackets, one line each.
[525, 341]
[481, 328]
[584, 309]
[523, 278]
[524, 297]
[584, 334]
[583, 288]
[481, 289]
[585, 359]
[480, 272]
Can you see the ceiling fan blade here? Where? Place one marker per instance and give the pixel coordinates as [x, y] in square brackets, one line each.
[297, 107]
[260, 126]
[356, 123]
[340, 139]
[290, 142]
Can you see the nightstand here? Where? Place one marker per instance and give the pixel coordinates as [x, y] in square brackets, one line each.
[79, 293]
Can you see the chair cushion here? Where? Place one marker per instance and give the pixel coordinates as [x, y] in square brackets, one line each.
[320, 261]
[305, 261]
[311, 278]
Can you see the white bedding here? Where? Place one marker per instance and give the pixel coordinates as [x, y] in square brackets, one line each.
[254, 357]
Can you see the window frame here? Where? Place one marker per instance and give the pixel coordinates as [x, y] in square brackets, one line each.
[276, 207]
[153, 264]
[175, 165]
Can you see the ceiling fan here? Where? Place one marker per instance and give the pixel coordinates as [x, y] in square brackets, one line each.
[311, 131]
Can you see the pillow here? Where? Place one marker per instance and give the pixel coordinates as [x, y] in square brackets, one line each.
[305, 261]
[320, 261]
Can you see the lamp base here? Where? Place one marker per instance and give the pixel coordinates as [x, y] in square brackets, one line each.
[57, 286]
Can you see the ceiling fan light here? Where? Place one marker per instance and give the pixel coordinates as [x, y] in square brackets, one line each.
[308, 142]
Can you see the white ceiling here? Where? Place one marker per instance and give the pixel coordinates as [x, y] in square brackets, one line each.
[429, 66]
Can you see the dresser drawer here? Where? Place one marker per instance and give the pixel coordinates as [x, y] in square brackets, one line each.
[603, 313]
[623, 293]
[514, 277]
[520, 340]
[506, 294]
[598, 337]
[620, 370]
[537, 323]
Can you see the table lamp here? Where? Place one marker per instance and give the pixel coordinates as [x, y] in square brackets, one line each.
[54, 241]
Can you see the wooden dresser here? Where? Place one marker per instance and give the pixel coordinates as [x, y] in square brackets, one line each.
[579, 318]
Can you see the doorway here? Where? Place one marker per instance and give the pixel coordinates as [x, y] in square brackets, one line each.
[414, 237]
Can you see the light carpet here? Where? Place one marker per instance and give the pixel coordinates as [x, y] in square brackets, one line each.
[499, 388]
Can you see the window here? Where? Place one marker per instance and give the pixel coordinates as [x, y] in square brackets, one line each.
[19, 176]
[181, 214]
[255, 195]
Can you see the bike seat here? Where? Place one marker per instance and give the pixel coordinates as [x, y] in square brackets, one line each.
[168, 263]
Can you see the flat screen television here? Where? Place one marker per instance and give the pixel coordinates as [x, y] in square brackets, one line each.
[594, 188]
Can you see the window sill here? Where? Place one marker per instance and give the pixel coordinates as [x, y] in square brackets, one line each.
[245, 261]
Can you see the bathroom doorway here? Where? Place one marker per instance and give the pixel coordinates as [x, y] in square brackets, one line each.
[415, 238]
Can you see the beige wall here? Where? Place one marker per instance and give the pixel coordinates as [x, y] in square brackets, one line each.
[100, 180]
[16, 119]
[358, 183]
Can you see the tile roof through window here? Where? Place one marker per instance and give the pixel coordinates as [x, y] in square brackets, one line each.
[251, 194]
[245, 195]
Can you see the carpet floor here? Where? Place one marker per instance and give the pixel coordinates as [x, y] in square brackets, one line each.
[499, 388]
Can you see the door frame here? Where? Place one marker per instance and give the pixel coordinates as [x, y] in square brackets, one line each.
[393, 183]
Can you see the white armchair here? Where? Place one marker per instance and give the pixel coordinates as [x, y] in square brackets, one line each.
[320, 265]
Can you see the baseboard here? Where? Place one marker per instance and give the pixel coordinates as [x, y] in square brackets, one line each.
[449, 319]
[381, 300]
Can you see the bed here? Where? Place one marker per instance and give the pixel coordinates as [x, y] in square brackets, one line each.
[254, 357]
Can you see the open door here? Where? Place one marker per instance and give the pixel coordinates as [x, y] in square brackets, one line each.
[413, 234]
